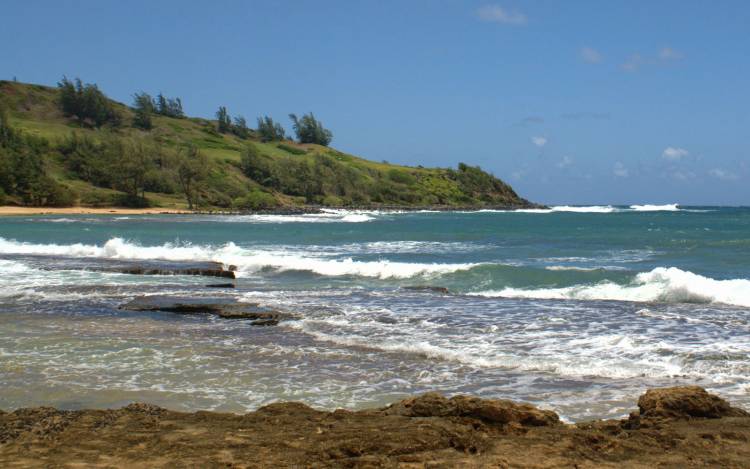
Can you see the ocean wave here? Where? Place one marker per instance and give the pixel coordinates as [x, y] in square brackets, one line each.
[326, 216]
[246, 260]
[667, 285]
[570, 208]
[655, 208]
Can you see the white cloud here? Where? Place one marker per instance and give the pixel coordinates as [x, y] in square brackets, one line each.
[674, 153]
[620, 170]
[590, 55]
[497, 14]
[539, 141]
[518, 175]
[565, 162]
[723, 174]
[667, 54]
[633, 63]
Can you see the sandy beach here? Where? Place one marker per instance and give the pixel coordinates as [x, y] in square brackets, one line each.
[11, 210]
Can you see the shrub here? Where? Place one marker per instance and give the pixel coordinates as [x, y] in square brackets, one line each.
[291, 149]
[256, 200]
[3, 197]
[401, 177]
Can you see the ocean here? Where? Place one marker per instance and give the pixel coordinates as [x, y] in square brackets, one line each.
[574, 309]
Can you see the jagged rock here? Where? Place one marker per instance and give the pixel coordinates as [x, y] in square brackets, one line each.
[222, 307]
[685, 402]
[490, 411]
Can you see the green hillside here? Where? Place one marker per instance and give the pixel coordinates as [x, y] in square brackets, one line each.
[50, 157]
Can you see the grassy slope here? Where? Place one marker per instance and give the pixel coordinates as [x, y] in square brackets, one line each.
[34, 110]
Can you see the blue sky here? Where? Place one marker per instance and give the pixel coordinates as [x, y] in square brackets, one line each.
[570, 102]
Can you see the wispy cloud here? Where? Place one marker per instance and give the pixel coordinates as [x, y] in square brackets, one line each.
[530, 120]
[667, 54]
[723, 174]
[664, 56]
[674, 153]
[633, 63]
[586, 115]
[565, 162]
[683, 175]
[620, 170]
[590, 55]
[498, 14]
[539, 141]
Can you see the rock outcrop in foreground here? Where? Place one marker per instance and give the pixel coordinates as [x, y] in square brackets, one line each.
[674, 427]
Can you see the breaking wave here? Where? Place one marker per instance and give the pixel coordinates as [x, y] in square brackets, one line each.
[571, 208]
[246, 260]
[655, 208]
[667, 285]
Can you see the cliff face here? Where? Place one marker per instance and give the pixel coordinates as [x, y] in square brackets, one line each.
[674, 427]
[186, 161]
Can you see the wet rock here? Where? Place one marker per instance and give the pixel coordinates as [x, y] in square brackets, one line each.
[685, 402]
[220, 285]
[490, 411]
[441, 290]
[222, 307]
[204, 272]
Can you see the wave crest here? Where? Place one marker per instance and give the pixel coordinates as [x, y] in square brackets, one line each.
[667, 285]
[246, 260]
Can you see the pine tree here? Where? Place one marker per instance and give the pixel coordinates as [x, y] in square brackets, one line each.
[224, 121]
[310, 130]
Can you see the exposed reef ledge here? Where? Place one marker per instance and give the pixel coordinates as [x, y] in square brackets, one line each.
[674, 427]
[225, 308]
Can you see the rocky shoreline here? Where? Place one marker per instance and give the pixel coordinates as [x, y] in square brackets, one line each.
[673, 427]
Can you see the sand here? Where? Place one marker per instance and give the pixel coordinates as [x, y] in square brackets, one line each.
[8, 210]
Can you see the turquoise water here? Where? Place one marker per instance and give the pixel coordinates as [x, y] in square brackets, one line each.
[577, 309]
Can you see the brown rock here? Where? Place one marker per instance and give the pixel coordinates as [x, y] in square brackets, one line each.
[685, 402]
[490, 411]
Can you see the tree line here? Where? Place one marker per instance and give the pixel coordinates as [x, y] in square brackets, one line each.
[91, 108]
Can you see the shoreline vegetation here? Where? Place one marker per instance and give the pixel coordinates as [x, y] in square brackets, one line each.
[673, 427]
[10, 210]
[72, 146]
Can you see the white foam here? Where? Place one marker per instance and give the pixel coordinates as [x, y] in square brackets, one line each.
[247, 260]
[655, 208]
[571, 208]
[669, 285]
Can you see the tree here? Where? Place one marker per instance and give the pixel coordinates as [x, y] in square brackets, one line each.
[224, 121]
[131, 161]
[269, 130]
[310, 130]
[240, 128]
[191, 171]
[144, 107]
[86, 103]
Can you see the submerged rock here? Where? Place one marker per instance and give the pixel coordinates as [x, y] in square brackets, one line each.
[220, 285]
[222, 307]
[442, 290]
[685, 402]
